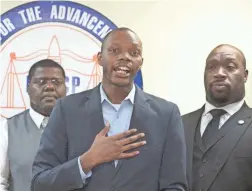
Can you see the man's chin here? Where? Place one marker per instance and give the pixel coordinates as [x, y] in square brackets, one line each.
[48, 108]
[121, 82]
[219, 98]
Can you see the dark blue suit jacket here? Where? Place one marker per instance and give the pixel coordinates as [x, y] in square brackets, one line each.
[73, 125]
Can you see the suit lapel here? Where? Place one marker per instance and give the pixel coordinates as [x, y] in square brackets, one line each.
[94, 111]
[139, 118]
[191, 123]
[89, 117]
[229, 125]
[96, 123]
[229, 139]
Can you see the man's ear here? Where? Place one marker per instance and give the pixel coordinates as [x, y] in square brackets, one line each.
[141, 65]
[28, 88]
[28, 85]
[246, 76]
[99, 58]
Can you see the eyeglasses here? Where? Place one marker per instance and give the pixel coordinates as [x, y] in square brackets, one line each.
[44, 81]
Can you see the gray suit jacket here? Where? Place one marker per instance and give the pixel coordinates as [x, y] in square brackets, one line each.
[71, 130]
[230, 168]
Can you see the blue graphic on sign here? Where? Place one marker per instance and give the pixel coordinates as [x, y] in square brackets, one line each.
[66, 12]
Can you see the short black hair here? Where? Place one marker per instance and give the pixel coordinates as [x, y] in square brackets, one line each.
[45, 63]
[115, 30]
[231, 46]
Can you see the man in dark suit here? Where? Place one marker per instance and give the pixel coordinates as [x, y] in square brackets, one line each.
[219, 135]
[78, 153]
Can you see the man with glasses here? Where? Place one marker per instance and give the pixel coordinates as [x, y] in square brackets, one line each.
[20, 134]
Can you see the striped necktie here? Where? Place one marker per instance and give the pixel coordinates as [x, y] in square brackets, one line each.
[44, 123]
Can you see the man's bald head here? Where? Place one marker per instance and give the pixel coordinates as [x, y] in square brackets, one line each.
[221, 46]
[225, 75]
[114, 31]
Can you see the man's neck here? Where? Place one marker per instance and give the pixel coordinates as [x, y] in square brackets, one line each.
[116, 94]
[38, 111]
[36, 117]
[229, 108]
[223, 104]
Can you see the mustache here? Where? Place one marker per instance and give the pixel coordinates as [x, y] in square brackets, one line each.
[219, 83]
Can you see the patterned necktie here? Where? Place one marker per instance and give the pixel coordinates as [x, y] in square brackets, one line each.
[44, 123]
[213, 126]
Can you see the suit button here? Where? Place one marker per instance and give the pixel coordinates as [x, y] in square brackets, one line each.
[201, 175]
[204, 160]
[112, 189]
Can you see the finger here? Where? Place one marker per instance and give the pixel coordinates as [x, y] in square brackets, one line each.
[131, 139]
[133, 146]
[124, 134]
[105, 130]
[128, 155]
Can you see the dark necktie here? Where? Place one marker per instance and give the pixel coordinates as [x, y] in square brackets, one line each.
[213, 126]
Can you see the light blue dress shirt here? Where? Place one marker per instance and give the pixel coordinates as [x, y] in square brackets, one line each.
[118, 116]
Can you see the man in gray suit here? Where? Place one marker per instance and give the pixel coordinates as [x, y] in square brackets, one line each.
[219, 135]
[20, 134]
[78, 153]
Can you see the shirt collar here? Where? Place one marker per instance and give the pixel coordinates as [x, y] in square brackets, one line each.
[36, 117]
[230, 109]
[130, 96]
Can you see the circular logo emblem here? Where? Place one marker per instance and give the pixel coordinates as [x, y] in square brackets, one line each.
[67, 32]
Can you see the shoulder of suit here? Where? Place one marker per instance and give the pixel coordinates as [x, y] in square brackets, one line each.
[160, 101]
[16, 118]
[18, 115]
[188, 115]
[76, 96]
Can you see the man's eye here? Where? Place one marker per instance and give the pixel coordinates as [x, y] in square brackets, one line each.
[114, 50]
[231, 66]
[57, 82]
[40, 81]
[210, 66]
[135, 53]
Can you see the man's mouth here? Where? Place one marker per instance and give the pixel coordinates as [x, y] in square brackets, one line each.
[219, 86]
[122, 71]
[49, 98]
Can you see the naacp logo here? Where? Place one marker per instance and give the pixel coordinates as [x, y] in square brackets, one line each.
[67, 32]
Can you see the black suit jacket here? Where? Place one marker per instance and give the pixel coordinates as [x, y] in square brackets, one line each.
[231, 168]
[73, 125]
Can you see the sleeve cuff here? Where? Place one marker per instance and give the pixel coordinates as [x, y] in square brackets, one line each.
[84, 176]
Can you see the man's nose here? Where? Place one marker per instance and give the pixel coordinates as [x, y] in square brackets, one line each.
[49, 85]
[124, 56]
[221, 72]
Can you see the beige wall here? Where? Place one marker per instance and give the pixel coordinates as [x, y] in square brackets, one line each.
[177, 36]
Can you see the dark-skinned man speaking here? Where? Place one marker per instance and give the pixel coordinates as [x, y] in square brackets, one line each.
[141, 147]
[219, 135]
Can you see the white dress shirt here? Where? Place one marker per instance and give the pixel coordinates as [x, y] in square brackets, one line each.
[207, 117]
[4, 161]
